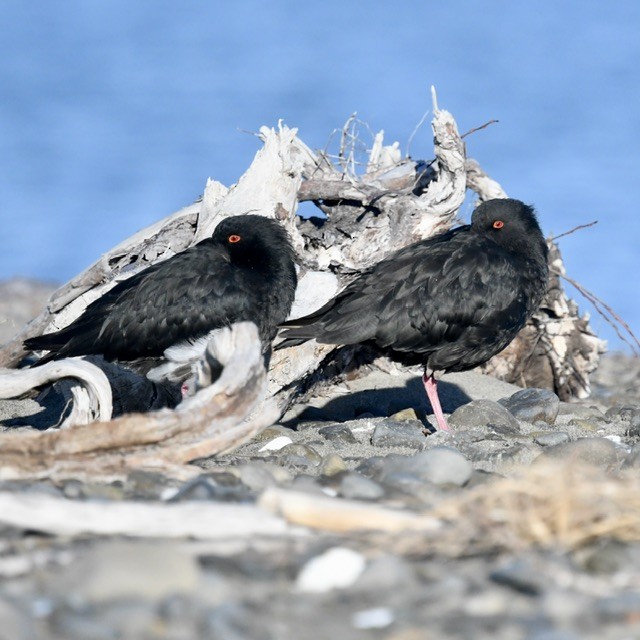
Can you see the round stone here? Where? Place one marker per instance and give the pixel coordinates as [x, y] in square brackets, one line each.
[482, 413]
[533, 404]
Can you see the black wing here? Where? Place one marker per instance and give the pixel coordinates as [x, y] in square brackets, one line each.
[178, 299]
[448, 301]
[355, 314]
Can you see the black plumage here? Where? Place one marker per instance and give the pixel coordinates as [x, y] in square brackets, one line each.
[449, 302]
[245, 271]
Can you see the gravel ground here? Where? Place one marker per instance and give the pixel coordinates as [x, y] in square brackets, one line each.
[370, 442]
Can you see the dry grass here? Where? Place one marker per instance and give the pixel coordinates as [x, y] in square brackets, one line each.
[547, 505]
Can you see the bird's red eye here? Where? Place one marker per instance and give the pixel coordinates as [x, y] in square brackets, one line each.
[498, 224]
[234, 238]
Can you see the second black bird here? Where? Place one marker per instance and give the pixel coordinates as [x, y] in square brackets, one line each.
[448, 303]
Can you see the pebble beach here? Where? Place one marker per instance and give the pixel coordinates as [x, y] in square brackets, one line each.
[529, 513]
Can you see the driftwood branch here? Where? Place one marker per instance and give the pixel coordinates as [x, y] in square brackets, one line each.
[93, 399]
[340, 515]
[215, 420]
[199, 521]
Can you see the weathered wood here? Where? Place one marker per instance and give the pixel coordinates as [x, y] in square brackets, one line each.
[93, 399]
[342, 516]
[216, 419]
[199, 521]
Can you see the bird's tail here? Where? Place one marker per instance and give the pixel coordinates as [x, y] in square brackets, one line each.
[54, 343]
[295, 332]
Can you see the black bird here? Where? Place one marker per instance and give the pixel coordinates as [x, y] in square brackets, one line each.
[448, 303]
[245, 271]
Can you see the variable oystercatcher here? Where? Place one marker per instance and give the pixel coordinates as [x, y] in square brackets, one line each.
[449, 302]
[245, 271]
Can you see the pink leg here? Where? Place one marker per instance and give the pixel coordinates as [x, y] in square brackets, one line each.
[431, 387]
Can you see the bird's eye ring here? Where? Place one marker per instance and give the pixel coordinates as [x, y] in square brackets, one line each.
[234, 238]
[498, 224]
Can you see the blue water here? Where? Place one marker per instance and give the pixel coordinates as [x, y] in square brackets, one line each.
[113, 114]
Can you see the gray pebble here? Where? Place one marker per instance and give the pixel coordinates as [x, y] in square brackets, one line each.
[606, 557]
[439, 465]
[256, 476]
[405, 481]
[298, 455]
[375, 466]
[624, 412]
[338, 434]
[305, 482]
[634, 424]
[358, 487]
[586, 425]
[405, 433]
[620, 607]
[533, 404]
[140, 483]
[214, 486]
[274, 431]
[482, 413]
[200, 488]
[551, 438]
[520, 576]
[583, 411]
[596, 451]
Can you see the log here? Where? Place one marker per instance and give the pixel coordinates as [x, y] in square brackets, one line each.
[196, 520]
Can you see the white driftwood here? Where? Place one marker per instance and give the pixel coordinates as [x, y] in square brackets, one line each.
[215, 420]
[278, 512]
[198, 520]
[481, 183]
[269, 188]
[339, 515]
[348, 245]
[93, 400]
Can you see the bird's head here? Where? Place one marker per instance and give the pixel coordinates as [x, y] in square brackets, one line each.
[254, 240]
[511, 224]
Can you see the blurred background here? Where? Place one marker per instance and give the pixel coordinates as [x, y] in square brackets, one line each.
[113, 114]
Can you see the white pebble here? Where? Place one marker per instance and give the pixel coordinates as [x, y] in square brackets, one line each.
[336, 568]
[377, 618]
[616, 439]
[364, 428]
[168, 493]
[277, 443]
